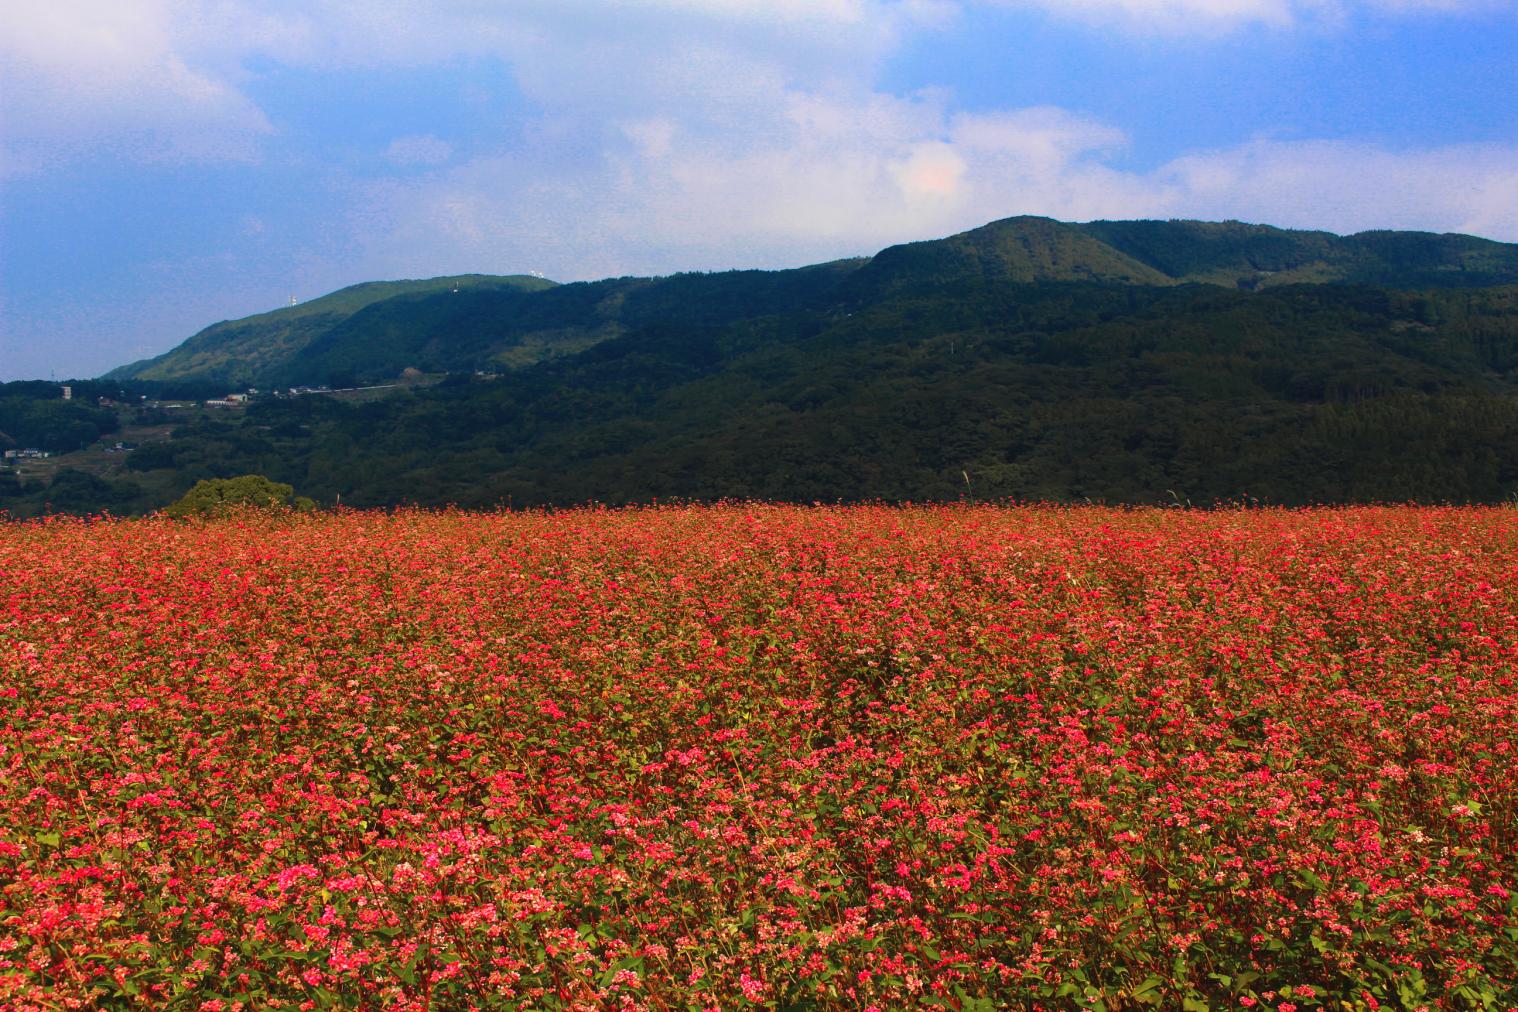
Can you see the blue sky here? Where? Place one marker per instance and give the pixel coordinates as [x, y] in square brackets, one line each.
[165, 164]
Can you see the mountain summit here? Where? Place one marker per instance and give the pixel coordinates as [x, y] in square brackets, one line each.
[376, 331]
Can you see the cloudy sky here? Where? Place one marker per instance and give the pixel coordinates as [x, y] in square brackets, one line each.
[165, 164]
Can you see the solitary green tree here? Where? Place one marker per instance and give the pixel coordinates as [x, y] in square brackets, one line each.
[212, 496]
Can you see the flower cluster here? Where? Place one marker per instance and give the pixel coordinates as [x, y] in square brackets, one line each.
[955, 757]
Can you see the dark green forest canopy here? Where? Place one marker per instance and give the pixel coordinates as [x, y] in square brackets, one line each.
[1030, 359]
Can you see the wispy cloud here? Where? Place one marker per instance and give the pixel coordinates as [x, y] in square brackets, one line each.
[167, 79]
[683, 133]
[157, 79]
[1348, 186]
[842, 174]
[1211, 17]
[148, 79]
[1170, 15]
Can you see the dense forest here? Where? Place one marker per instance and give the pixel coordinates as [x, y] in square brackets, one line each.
[34, 414]
[1012, 362]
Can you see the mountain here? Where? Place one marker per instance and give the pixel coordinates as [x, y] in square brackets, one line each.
[1133, 362]
[1249, 257]
[501, 329]
[1025, 249]
[982, 389]
[237, 353]
[374, 332]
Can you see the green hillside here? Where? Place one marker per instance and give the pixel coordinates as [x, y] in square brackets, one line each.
[495, 329]
[244, 352]
[1236, 255]
[1023, 249]
[374, 332]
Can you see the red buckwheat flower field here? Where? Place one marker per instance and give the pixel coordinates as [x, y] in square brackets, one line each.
[757, 756]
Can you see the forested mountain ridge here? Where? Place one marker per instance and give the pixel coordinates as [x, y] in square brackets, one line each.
[370, 333]
[1238, 255]
[1025, 249]
[505, 330]
[241, 352]
[1134, 362]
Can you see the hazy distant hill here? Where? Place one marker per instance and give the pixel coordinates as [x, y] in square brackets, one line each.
[372, 332]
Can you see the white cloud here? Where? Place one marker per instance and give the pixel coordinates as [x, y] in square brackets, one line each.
[845, 173]
[771, 147]
[1438, 6]
[694, 133]
[167, 79]
[1214, 16]
[155, 79]
[146, 79]
[1347, 187]
[1171, 15]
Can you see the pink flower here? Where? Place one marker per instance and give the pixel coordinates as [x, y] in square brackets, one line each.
[752, 989]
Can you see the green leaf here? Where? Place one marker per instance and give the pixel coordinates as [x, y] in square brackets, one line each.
[969, 1004]
[634, 963]
[1312, 879]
